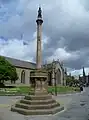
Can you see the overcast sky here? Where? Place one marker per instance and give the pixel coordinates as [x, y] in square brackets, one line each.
[65, 31]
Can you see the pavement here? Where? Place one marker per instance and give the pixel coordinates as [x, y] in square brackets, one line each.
[76, 108]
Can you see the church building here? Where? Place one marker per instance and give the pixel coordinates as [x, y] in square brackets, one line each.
[55, 70]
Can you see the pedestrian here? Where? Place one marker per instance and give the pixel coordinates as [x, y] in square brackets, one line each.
[81, 88]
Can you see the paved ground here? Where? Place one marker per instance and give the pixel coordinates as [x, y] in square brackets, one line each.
[77, 108]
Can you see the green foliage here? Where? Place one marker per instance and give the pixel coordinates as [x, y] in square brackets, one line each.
[71, 81]
[7, 71]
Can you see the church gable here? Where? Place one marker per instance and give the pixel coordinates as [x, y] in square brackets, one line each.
[56, 64]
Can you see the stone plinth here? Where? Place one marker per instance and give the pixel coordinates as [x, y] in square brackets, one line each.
[40, 78]
[40, 102]
[37, 105]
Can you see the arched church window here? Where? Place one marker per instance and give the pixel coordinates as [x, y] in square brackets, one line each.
[49, 78]
[58, 76]
[23, 76]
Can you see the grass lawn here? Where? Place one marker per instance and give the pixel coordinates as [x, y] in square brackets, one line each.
[18, 90]
[63, 89]
[26, 89]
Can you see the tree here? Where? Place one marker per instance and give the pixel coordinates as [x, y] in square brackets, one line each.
[69, 81]
[7, 71]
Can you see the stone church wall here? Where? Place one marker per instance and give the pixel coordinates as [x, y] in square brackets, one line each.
[26, 77]
[19, 75]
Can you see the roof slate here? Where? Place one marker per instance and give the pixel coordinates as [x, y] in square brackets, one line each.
[20, 63]
[28, 65]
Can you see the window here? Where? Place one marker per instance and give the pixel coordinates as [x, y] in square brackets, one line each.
[23, 76]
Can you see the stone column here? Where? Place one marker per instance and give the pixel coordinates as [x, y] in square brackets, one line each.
[39, 22]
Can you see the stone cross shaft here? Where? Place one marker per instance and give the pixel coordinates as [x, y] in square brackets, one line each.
[39, 22]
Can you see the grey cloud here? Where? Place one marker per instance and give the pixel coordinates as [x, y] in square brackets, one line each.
[77, 64]
[66, 25]
[82, 60]
[85, 3]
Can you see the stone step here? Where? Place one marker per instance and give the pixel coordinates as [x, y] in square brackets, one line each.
[37, 112]
[38, 97]
[37, 102]
[57, 109]
[41, 93]
[38, 92]
[34, 107]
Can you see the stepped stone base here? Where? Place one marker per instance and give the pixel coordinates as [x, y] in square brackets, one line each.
[38, 101]
[37, 105]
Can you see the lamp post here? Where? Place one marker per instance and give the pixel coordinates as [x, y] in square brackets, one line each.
[55, 83]
[63, 76]
[55, 71]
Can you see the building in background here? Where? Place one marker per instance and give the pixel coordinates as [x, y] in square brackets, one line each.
[24, 69]
[56, 71]
[84, 80]
[84, 76]
[87, 80]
